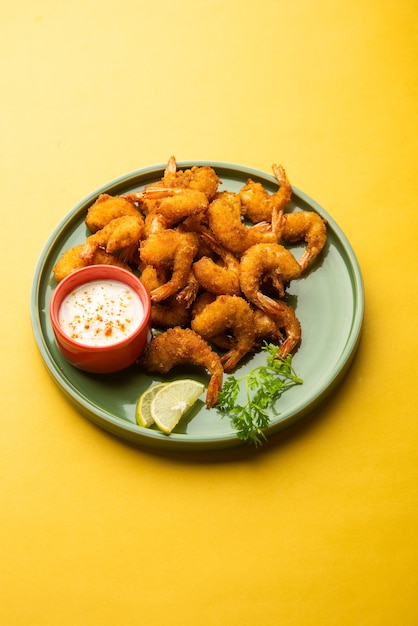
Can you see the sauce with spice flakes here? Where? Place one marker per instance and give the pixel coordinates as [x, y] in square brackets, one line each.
[101, 313]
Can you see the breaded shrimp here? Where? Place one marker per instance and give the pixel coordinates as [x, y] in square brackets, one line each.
[305, 226]
[173, 203]
[205, 179]
[224, 216]
[227, 315]
[224, 341]
[202, 178]
[107, 208]
[149, 198]
[71, 260]
[169, 313]
[270, 327]
[263, 262]
[170, 250]
[185, 203]
[258, 204]
[179, 346]
[122, 233]
[266, 328]
[214, 277]
[152, 277]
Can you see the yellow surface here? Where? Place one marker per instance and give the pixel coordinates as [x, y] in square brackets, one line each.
[320, 526]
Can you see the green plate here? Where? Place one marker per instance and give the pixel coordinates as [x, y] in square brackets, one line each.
[329, 303]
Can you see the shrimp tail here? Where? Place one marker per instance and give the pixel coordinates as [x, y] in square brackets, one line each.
[307, 257]
[214, 387]
[268, 305]
[287, 346]
[87, 252]
[278, 221]
[230, 359]
[163, 292]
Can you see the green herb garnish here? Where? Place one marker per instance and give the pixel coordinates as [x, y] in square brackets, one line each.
[263, 386]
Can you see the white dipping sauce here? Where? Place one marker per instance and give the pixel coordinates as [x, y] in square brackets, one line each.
[101, 312]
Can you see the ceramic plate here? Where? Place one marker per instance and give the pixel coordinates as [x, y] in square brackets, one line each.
[329, 303]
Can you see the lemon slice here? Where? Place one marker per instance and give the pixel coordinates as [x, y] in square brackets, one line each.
[142, 411]
[172, 401]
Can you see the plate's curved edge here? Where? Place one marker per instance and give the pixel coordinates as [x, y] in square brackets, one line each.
[113, 425]
[138, 435]
[131, 432]
[316, 402]
[120, 428]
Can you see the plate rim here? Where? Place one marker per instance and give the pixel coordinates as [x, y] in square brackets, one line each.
[137, 434]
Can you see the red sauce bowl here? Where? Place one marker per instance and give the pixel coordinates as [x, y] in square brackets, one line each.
[108, 358]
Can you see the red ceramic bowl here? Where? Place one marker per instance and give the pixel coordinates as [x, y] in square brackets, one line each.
[118, 354]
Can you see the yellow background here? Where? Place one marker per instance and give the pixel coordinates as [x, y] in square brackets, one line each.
[320, 526]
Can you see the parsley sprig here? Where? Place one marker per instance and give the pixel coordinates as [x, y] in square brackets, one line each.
[263, 386]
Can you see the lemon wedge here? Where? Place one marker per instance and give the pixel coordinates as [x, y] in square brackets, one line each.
[172, 401]
[142, 411]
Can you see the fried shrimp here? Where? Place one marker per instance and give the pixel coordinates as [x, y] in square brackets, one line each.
[258, 204]
[265, 328]
[224, 216]
[173, 251]
[183, 204]
[180, 346]
[107, 208]
[149, 198]
[309, 227]
[282, 327]
[201, 178]
[71, 260]
[205, 179]
[263, 263]
[152, 277]
[165, 208]
[218, 278]
[171, 312]
[231, 316]
[121, 234]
